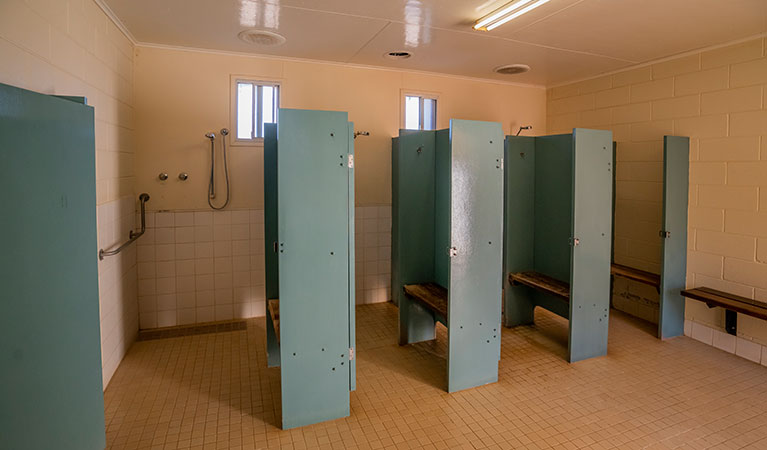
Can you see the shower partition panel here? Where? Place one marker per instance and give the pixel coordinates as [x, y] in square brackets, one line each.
[557, 234]
[309, 187]
[51, 393]
[447, 243]
[676, 168]
[672, 279]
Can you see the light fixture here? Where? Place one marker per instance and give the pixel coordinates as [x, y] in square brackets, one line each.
[507, 13]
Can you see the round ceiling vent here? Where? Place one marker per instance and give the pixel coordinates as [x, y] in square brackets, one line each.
[399, 54]
[512, 69]
[261, 37]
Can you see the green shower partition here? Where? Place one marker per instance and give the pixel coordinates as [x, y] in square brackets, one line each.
[309, 220]
[672, 279]
[557, 233]
[447, 225]
[51, 393]
[676, 173]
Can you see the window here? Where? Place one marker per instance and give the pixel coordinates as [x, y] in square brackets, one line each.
[256, 103]
[420, 112]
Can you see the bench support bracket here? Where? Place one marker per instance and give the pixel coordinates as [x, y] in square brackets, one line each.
[731, 322]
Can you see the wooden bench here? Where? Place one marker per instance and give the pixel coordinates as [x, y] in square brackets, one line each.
[431, 295]
[730, 302]
[640, 276]
[541, 282]
[273, 306]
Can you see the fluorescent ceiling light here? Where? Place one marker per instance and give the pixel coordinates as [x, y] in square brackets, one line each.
[507, 13]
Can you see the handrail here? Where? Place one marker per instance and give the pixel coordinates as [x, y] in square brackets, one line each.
[132, 236]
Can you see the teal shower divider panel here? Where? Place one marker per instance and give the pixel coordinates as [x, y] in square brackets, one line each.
[443, 182]
[676, 164]
[476, 234]
[314, 254]
[51, 393]
[350, 236]
[413, 209]
[519, 226]
[271, 238]
[447, 187]
[553, 205]
[592, 227]
[558, 197]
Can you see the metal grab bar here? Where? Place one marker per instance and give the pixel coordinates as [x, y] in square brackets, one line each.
[132, 236]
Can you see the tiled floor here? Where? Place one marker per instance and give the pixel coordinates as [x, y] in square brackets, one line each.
[214, 391]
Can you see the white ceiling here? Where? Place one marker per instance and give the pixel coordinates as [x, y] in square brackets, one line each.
[562, 40]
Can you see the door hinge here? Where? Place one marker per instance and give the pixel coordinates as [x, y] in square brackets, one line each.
[351, 353]
[350, 161]
[452, 252]
[501, 163]
[274, 244]
[574, 242]
[664, 234]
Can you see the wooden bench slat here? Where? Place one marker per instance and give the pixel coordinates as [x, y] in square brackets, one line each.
[273, 306]
[432, 295]
[542, 282]
[743, 305]
[635, 274]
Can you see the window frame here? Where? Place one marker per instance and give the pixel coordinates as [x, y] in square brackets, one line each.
[234, 140]
[422, 95]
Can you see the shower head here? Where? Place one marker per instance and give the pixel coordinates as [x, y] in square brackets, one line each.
[210, 136]
[224, 131]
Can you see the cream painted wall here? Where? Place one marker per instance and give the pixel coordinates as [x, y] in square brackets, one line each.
[181, 95]
[72, 48]
[717, 98]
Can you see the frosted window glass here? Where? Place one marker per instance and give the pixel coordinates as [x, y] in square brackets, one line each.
[412, 113]
[245, 111]
[267, 106]
[429, 114]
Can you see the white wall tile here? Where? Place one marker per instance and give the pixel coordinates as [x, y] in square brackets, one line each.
[749, 350]
[205, 298]
[222, 248]
[203, 233]
[186, 316]
[166, 318]
[166, 302]
[166, 269]
[239, 217]
[205, 314]
[203, 218]
[148, 320]
[184, 267]
[164, 235]
[184, 219]
[205, 262]
[184, 234]
[164, 219]
[724, 341]
[702, 333]
[185, 251]
[203, 250]
[165, 252]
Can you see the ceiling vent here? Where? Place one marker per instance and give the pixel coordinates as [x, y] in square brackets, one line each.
[261, 37]
[512, 69]
[399, 54]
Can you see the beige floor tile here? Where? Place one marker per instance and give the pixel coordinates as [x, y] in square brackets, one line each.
[214, 391]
